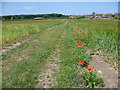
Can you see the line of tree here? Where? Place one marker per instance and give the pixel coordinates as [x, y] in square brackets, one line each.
[81, 17]
[53, 15]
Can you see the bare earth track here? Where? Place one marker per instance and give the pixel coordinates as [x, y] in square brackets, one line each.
[49, 73]
[47, 76]
[104, 70]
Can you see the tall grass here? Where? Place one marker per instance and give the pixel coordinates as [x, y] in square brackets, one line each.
[13, 31]
[102, 37]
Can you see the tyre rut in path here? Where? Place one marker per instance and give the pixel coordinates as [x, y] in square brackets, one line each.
[49, 73]
[104, 70]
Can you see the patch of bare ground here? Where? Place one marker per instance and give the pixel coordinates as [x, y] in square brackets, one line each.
[104, 70]
[47, 78]
[6, 49]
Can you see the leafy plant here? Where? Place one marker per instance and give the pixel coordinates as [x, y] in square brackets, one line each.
[92, 80]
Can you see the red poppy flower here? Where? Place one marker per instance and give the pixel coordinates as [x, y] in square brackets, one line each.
[78, 40]
[89, 68]
[82, 32]
[74, 32]
[86, 32]
[79, 45]
[88, 28]
[81, 42]
[76, 29]
[76, 37]
[81, 62]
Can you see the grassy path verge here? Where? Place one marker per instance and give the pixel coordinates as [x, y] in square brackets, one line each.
[49, 73]
[71, 72]
[69, 75]
[22, 65]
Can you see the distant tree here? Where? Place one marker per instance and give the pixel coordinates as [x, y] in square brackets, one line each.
[81, 17]
[22, 16]
[93, 13]
[53, 15]
[113, 16]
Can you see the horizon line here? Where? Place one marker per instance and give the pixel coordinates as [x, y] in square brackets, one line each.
[57, 13]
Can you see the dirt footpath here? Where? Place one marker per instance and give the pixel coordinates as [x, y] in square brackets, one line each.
[104, 70]
[47, 78]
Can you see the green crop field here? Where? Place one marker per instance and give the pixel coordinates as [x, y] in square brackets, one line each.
[16, 30]
[58, 43]
[103, 36]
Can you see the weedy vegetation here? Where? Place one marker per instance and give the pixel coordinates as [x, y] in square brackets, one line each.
[22, 65]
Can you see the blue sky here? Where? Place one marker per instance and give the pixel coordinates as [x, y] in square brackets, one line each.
[67, 8]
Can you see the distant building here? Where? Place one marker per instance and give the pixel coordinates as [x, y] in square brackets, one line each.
[98, 16]
[89, 16]
[109, 16]
[117, 15]
[74, 16]
[38, 18]
[1, 18]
